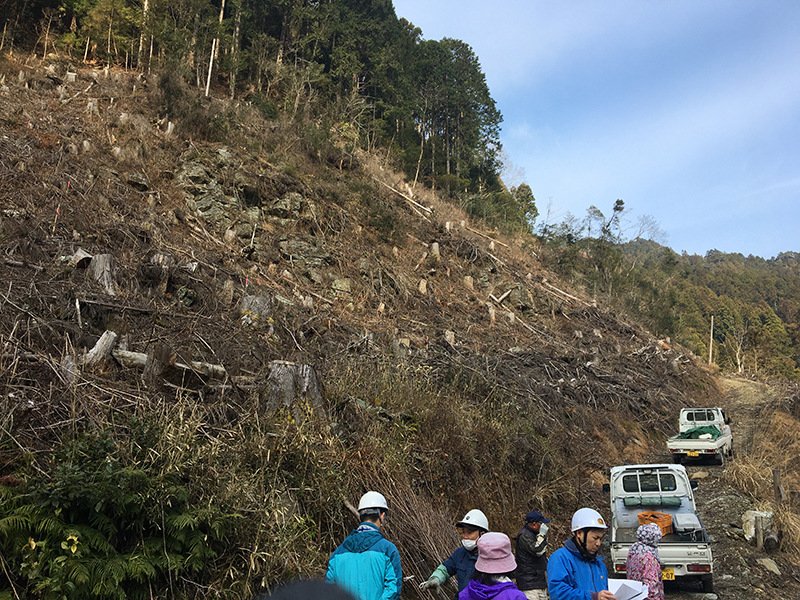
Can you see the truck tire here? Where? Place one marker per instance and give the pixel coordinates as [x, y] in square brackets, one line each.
[721, 459]
[708, 584]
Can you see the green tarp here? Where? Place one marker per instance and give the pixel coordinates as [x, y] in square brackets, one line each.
[695, 433]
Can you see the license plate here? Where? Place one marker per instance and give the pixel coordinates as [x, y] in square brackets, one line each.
[693, 453]
[668, 574]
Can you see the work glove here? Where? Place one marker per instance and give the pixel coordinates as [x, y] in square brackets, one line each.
[437, 578]
[432, 584]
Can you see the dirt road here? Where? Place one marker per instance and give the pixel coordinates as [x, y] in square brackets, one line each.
[738, 574]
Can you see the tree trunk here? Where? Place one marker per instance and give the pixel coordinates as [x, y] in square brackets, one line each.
[216, 46]
[100, 354]
[142, 33]
[210, 65]
[237, 22]
[192, 48]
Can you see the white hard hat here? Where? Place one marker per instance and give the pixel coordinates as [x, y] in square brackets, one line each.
[372, 500]
[475, 518]
[588, 518]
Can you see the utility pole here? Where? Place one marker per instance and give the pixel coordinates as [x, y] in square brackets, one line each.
[711, 340]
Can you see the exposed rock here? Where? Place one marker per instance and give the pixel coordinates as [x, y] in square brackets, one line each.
[749, 523]
[288, 207]
[769, 564]
[341, 285]
[309, 254]
[224, 155]
[138, 181]
[520, 298]
[256, 312]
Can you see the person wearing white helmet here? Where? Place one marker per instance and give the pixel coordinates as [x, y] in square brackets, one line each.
[575, 571]
[461, 563]
[366, 564]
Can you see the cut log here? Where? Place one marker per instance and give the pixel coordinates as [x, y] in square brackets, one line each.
[99, 356]
[138, 360]
[483, 235]
[81, 259]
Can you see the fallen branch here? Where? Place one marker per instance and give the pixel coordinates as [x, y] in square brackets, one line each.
[414, 203]
[139, 360]
[20, 264]
[485, 236]
[350, 507]
[563, 293]
[501, 298]
[68, 100]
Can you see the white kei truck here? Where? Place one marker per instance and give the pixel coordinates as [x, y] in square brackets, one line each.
[663, 491]
[703, 433]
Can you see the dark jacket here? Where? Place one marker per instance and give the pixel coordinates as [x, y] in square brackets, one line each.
[531, 560]
[461, 564]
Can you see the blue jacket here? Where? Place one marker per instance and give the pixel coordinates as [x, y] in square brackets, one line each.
[461, 564]
[570, 577]
[367, 565]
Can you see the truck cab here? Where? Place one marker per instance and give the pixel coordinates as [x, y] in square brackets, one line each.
[692, 418]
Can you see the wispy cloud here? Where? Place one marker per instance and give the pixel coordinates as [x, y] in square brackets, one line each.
[687, 110]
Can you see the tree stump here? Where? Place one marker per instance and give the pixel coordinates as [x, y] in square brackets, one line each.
[102, 269]
[159, 358]
[292, 385]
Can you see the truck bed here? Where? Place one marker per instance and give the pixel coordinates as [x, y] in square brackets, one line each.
[627, 535]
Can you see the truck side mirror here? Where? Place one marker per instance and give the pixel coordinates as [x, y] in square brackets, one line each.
[693, 484]
[728, 421]
[606, 488]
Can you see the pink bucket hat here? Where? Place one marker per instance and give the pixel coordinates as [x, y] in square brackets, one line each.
[494, 554]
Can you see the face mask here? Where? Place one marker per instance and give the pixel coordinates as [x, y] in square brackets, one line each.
[469, 545]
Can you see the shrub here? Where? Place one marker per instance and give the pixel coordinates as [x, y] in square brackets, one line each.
[97, 527]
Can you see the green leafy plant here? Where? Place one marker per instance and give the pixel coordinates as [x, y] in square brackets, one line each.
[98, 528]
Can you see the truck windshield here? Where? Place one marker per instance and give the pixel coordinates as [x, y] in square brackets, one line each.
[649, 482]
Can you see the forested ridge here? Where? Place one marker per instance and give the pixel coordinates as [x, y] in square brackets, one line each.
[754, 302]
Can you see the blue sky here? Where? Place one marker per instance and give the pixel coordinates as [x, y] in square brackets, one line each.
[688, 110]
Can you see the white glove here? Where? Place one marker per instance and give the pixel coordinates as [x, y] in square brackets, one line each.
[543, 529]
[432, 584]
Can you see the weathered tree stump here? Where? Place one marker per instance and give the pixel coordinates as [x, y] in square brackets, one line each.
[292, 385]
[102, 269]
[159, 359]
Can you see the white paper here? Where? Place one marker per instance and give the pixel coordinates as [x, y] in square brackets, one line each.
[627, 589]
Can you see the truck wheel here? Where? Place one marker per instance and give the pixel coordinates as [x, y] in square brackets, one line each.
[721, 459]
[708, 584]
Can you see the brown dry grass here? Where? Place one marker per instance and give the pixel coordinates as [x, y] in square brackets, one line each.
[776, 446]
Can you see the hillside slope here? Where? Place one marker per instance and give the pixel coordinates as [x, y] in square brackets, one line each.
[306, 327]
